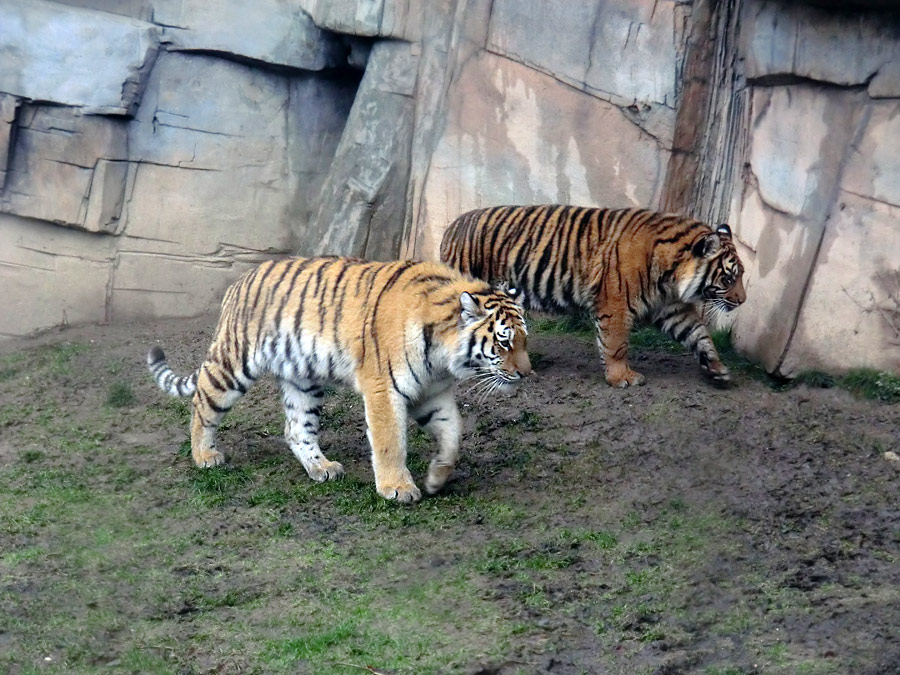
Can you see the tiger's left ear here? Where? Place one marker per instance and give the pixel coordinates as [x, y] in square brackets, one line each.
[724, 230]
[470, 310]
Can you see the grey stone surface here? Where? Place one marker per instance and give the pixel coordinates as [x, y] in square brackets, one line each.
[273, 31]
[384, 18]
[623, 52]
[136, 9]
[886, 82]
[74, 56]
[515, 135]
[51, 175]
[319, 107]
[800, 136]
[50, 275]
[363, 202]
[801, 41]
[200, 179]
[8, 106]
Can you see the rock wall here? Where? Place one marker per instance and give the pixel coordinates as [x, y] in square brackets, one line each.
[152, 150]
[801, 156]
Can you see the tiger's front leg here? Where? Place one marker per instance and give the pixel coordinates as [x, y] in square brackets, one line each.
[612, 325]
[386, 422]
[682, 322]
[440, 417]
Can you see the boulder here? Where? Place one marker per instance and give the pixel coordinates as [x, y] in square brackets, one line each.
[795, 41]
[8, 106]
[67, 168]
[401, 19]
[51, 276]
[362, 206]
[818, 225]
[271, 31]
[78, 57]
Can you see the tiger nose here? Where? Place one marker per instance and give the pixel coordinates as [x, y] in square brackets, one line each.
[523, 366]
[738, 294]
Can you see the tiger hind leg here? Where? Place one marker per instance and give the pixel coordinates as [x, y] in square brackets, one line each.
[682, 323]
[211, 401]
[440, 417]
[302, 407]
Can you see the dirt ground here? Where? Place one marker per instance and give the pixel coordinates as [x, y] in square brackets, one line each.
[671, 528]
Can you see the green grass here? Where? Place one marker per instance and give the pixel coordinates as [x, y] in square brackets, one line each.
[516, 555]
[651, 339]
[570, 324]
[58, 359]
[290, 650]
[220, 484]
[11, 365]
[120, 395]
[872, 384]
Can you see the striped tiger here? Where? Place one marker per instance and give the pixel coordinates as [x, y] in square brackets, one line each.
[620, 265]
[398, 332]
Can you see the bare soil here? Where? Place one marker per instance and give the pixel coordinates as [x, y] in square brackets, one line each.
[671, 528]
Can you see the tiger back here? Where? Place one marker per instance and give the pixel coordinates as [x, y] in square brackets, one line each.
[620, 265]
[398, 332]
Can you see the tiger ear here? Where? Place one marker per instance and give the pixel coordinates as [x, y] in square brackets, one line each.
[504, 287]
[470, 309]
[724, 230]
[707, 246]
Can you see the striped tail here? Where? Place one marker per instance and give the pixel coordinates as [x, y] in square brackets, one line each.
[167, 380]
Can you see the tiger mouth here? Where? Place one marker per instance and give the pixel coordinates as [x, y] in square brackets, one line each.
[490, 382]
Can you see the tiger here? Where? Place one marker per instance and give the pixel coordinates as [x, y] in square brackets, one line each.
[620, 265]
[398, 332]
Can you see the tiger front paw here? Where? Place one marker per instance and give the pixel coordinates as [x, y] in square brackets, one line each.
[624, 378]
[403, 491]
[325, 470]
[717, 373]
[438, 473]
[206, 459]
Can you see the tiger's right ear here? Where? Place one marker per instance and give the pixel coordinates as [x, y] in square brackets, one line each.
[707, 246]
[511, 291]
[471, 310]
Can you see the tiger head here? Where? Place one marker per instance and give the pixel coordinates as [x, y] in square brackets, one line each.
[492, 344]
[713, 272]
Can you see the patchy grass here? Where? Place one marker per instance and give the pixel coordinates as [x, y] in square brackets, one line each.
[219, 485]
[872, 384]
[864, 383]
[120, 395]
[568, 324]
[59, 358]
[651, 339]
[573, 530]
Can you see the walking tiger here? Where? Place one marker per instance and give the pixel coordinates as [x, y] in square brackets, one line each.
[398, 332]
[619, 264]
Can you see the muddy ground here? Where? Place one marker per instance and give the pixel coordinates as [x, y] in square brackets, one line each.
[672, 528]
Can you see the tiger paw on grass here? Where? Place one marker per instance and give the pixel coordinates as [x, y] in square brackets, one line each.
[397, 332]
[621, 265]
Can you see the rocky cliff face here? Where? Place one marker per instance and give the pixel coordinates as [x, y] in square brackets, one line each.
[152, 150]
